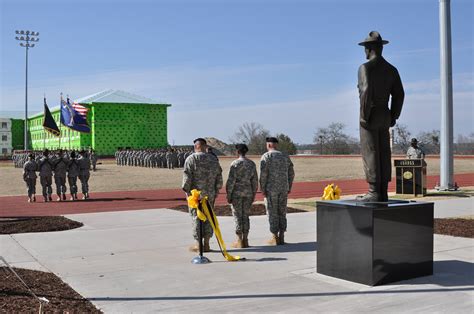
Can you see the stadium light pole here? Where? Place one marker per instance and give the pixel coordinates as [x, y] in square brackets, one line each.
[27, 40]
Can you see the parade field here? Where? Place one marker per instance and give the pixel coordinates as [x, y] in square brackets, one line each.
[109, 177]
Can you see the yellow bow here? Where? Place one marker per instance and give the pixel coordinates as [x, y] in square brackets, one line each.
[332, 192]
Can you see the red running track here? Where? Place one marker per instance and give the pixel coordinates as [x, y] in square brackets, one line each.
[14, 206]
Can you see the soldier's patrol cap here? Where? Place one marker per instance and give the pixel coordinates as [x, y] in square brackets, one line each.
[242, 148]
[31, 155]
[271, 139]
[414, 140]
[200, 139]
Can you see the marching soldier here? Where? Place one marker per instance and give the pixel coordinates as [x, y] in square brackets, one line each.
[60, 169]
[93, 158]
[202, 172]
[276, 179]
[241, 188]
[72, 174]
[29, 176]
[45, 169]
[84, 174]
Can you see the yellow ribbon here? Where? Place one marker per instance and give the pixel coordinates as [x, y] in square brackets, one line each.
[331, 192]
[209, 215]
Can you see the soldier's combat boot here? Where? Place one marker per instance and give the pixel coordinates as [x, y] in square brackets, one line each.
[45, 199]
[238, 244]
[50, 198]
[59, 198]
[281, 238]
[245, 240]
[34, 198]
[29, 199]
[64, 197]
[194, 247]
[72, 197]
[273, 240]
[207, 247]
[371, 196]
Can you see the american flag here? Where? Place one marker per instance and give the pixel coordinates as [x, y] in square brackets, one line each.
[80, 109]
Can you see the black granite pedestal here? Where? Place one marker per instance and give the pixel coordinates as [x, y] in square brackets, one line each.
[375, 243]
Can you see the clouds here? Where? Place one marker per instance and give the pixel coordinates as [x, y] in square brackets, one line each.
[214, 101]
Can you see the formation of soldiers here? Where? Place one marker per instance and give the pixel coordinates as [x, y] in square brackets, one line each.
[62, 166]
[170, 158]
[20, 157]
[203, 172]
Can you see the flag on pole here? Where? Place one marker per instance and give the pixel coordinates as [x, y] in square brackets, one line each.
[48, 121]
[74, 119]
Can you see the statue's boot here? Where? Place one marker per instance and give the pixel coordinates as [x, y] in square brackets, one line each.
[207, 247]
[371, 196]
[273, 240]
[384, 192]
[281, 238]
[245, 240]
[194, 247]
[238, 244]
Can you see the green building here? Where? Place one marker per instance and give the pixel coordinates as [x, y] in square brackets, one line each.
[117, 119]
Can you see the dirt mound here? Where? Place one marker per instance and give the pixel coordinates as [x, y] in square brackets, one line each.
[220, 148]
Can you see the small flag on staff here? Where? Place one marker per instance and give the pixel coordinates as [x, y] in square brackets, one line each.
[48, 123]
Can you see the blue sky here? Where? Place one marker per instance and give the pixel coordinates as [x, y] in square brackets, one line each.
[290, 65]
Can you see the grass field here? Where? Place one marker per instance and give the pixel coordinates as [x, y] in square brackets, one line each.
[110, 177]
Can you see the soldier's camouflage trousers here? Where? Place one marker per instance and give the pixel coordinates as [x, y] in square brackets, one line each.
[206, 226]
[60, 184]
[240, 210]
[31, 186]
[72, 184]
[275, 204]
[84, 183]
[46, 183]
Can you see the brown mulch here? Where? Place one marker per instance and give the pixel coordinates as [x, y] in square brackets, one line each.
[16, 298]
[456, 227]
[37, 224]
[225, 210]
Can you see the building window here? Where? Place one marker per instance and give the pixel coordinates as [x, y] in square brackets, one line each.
[4, 151]
[4, 138]
[4, 125]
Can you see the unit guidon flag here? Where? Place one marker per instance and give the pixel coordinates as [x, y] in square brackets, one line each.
[48, 122]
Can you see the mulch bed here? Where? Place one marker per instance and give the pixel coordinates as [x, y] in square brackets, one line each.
[225, 210]
[15, 297]
[37, 224]
[456, 227]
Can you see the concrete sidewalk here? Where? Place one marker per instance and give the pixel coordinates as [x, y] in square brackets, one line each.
[137, 261]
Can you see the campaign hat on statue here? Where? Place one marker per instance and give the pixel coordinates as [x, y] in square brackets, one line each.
[374, 38]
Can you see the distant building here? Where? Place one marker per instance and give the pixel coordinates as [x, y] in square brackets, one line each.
[117, 119]
[5, 136]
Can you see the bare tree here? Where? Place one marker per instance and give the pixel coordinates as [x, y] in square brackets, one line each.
[401, 138]
[253, 134]
[333, 140]
[429, 141]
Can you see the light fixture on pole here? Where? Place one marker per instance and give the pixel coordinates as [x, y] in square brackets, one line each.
[27, 40]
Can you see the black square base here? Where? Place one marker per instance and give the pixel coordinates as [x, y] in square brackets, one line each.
[375, 243]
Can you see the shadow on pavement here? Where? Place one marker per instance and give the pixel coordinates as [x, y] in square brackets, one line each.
[287, 248]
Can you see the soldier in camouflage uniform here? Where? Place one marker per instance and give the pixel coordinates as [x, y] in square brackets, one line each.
[45, 168]
[202, 172]
[60, 168]
[84, 174]
[29, 176]
[414, 152]
[72, 174]
[276, 179]
[241, 188]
